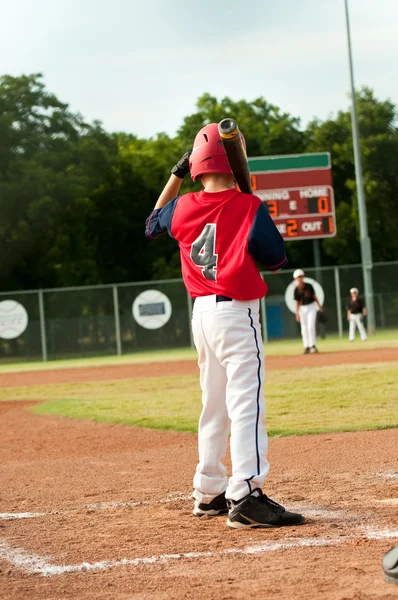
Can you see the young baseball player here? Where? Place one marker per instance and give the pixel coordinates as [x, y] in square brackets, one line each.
[356, 311]
[306, 310]
[221, 232]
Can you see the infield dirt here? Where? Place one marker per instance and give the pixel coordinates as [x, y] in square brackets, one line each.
[188, 367]
[110, 492]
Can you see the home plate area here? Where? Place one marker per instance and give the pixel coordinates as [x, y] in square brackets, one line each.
[332, 528]
[108, 538]
[105, 511]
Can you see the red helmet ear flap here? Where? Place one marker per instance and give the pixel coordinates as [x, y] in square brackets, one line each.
[208, 153]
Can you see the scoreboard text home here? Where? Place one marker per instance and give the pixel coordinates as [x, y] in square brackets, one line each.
[298, 192]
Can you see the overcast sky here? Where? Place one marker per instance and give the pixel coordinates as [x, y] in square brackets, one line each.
[140, 65]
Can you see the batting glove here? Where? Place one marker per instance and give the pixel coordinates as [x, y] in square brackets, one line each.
[182, 167]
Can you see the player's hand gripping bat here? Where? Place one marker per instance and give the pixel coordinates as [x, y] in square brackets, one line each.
[236, 154]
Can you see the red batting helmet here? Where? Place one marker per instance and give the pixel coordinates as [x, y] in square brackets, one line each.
[208, 153]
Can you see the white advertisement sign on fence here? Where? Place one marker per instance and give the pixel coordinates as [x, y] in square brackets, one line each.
[13, 319]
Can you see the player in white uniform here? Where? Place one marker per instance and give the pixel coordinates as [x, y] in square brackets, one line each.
[356, 311]
[306, 310]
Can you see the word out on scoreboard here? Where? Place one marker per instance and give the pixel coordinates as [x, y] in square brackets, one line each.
[298, 193]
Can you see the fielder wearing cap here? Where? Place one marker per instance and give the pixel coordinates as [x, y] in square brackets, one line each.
[298, 273]
[306, 311]
[356, 311]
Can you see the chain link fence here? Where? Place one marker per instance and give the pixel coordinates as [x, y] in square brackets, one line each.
[125, 318]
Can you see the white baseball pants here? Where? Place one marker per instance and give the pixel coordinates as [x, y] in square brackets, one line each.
[307, 314]
[356, 321]
[227, 336]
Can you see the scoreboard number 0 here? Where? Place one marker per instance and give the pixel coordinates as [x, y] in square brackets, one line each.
[323, 204]
[318, 205]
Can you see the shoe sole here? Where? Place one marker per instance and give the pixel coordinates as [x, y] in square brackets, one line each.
[210, 513]
[238, 525]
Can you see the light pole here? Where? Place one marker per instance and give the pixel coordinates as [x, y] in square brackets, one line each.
[366, 248]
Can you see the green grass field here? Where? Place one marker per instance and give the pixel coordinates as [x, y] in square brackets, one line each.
[299, 401]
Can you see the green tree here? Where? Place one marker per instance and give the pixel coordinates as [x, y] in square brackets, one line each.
[74, 198]
[44, 188]
[379, 152]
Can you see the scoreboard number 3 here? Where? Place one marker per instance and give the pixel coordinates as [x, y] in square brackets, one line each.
[272, 207]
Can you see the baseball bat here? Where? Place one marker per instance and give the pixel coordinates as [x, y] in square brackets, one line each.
[236, 154]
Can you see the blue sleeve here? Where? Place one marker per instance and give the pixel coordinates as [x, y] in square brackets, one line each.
[266, 245]
[159, 221]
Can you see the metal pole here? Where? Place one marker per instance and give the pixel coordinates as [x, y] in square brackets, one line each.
[317, 260]
[366, 249]
[381, 310]
[338, 301]
[117, 321]
[42, 327]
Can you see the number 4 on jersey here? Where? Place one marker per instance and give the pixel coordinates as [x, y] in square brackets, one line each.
[203, 252]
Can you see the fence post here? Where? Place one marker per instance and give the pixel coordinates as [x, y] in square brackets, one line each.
[381, 312]
[264, 319]
[317, 260]
[190, 304]
[338, 301]
[117, 320]
[42, 327]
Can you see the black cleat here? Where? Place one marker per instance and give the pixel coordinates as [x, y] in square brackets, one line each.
[313, 350]
[390, 566]
[307, 351]
[218, 506]
[259, 511]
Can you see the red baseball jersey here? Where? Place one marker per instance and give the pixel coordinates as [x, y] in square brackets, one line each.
[221, 235]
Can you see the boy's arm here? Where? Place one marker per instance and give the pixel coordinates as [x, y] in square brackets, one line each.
[169, 191]
[159, 221]
[297, 311]
[318, 303]
[173, 185]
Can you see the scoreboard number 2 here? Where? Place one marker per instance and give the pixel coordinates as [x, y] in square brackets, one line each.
[291, 227]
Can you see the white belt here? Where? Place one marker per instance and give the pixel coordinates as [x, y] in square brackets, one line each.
[204, 303]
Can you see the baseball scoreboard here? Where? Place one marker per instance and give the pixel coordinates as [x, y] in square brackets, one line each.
[298, 193]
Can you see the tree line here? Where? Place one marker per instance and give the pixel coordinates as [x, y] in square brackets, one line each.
[74, 197]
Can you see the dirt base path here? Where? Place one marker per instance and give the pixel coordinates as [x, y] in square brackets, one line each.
[187, 367]
[102, 511]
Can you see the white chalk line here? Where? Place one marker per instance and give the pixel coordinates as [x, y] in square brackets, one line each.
[26, 515]
[96, 506]
[310, 511]
[33, 564]
[387, 475]
[387, 501]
